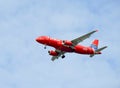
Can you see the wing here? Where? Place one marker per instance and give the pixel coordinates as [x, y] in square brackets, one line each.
[56, 57]
[80, 39]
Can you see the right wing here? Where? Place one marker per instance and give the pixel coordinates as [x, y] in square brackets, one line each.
[60, 53]
[80, 39]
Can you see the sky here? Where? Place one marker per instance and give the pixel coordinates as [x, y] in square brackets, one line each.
[26, 64]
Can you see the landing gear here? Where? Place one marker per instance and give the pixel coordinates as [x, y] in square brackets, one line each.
[45, 47]
[63, 56]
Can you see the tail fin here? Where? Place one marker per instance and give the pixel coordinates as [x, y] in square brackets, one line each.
[94, 44]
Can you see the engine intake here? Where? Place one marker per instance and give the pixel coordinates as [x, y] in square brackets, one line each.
[53, 53]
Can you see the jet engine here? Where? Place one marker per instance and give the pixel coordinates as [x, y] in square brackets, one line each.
[69, 43]
[53, 53]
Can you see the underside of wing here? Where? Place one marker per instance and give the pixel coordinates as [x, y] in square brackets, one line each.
[80, 39]
[56, 57]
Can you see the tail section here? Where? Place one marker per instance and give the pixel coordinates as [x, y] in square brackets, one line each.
[98, 51]
[94, 44]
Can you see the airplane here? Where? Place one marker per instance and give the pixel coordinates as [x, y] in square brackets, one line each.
[73, 46]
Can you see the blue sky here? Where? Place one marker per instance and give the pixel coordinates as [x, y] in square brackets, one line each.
[25, 64]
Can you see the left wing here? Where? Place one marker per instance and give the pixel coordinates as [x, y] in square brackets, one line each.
[60, 53]
[80, 39]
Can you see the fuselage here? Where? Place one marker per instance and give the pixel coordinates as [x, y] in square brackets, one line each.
[66, 47]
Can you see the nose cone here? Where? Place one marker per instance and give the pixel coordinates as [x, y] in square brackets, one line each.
[38, 39]
[42, 39]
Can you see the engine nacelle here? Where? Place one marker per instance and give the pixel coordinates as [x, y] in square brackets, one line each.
[65, 42]
[53, 53]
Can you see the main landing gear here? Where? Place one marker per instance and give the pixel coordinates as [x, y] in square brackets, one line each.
[63, 56]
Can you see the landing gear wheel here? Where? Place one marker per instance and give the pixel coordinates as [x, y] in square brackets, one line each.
[45, 47]
[63, 56]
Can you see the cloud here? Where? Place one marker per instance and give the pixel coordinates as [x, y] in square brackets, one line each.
[24, 63]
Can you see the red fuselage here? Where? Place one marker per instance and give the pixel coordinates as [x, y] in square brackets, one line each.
[65, 46]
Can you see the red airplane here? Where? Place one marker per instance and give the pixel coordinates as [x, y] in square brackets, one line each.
[66, 46]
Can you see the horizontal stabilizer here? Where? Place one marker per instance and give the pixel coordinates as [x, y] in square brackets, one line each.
[98, 51]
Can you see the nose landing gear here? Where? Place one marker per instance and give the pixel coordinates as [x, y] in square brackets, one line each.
[45, 47]
[63, 56]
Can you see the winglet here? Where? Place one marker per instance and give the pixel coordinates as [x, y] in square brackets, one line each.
[96, 30]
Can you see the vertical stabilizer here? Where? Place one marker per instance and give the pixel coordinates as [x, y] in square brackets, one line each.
[94, 44]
